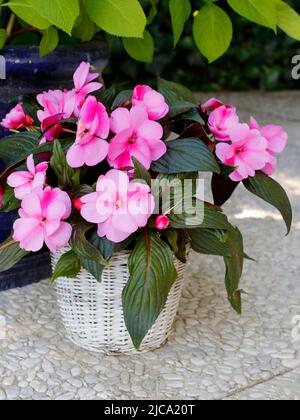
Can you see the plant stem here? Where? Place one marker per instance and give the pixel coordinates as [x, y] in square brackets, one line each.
[11, 24]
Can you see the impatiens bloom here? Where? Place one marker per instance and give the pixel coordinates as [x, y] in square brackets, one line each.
[84, 85]
[135, 136]
[25, 182]
[211, 105]
[90, 147]
[17, 119]
[42, 216]
[119, 207]
[221, 121]
[248, 152]
[2, 192]
[277, 140]
[78, 204]
[58, 105]
[151, 100]
[162, 222]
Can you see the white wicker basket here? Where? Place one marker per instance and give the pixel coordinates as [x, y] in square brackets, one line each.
[92, 312]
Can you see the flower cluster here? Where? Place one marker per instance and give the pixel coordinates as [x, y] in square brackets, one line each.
[247, 148]
[119, 206]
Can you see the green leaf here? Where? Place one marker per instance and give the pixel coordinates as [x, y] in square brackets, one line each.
[3, 36]
[61, 13]
[288, 20]
[262, 12]
[234, 268]
[10, 254]
[82, 247]
[84, 28]
[152, 275]
[140, 172]
[140, 49]
[199, 215]
[212, 32]
[18, 147]
[222, 188]
[121, 98]
[180, 12]
[9, 201]
[210, 242]
[68, 178]
[68, 266]
[118, 17]
[27, 11]
[186, 155]
[179, 98]
[270, 191]
[49, 41]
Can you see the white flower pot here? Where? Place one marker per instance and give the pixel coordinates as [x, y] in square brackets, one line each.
[92, 312]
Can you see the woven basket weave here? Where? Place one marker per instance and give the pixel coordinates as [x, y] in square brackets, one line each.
[92, 312]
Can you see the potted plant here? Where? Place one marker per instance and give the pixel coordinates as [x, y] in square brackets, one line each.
[111, 188]
[43, 41]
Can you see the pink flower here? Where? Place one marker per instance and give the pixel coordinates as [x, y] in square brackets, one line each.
[41, 220]
[211, 105]
[2, 192]
[90, 147]
[135, 136]
[248, 152]
[83, 86]
[153, 102]
[25, 182]
[221, 121]
[277, 140]
[58, 105]
[162, 222]
[119, 207]
[16, 119]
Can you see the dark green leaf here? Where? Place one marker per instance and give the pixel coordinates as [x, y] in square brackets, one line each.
[199, 215]
[210, 242]
[122, 98]
[152, 274]
[68, 266]
[186, 155]
[9, 201]
[222, 188]
[67, 177]
[10, 254]
[234, 268]
[141, 172]
[179, 98]
[270, 191]
[18, 147]
[82, 247]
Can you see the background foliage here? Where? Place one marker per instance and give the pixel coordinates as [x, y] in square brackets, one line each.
[257, 59]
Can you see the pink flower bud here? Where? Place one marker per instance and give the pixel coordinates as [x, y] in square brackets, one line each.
[78, 204]
[162, 222]
[2, 192]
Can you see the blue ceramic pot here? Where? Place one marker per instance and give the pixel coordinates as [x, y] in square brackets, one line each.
[28, 73]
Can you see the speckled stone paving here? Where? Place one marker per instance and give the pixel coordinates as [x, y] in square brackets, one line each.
[212, 353]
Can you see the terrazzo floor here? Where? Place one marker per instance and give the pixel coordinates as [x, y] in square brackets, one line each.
[212, 353]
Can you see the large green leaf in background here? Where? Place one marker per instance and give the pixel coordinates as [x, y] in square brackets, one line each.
[152, 274]
[186, 155]
[61, 13]
[262, 12]
[270, 191]
[180, 12]
[49, 41]
[288, 20]
[141, 49]
[27, 11]
[118, 17]
[212, 32]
